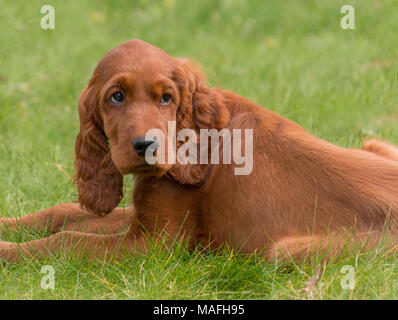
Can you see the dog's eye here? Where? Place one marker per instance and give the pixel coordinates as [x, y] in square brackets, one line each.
[165, 99]
[117, 98]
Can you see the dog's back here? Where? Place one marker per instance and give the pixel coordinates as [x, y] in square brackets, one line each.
[301, 185]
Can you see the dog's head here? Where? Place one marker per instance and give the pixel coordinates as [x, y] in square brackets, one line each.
[135, 88]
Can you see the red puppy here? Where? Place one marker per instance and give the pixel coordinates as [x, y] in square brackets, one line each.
[303, 194]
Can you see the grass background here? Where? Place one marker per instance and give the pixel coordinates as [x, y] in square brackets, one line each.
[290, 56]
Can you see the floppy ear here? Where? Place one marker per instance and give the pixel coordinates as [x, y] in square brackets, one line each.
[201, 107]
[98, 181]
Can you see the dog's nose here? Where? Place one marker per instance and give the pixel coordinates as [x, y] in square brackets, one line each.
[140, 145]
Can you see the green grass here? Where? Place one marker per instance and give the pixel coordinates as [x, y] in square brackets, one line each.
[290, 56]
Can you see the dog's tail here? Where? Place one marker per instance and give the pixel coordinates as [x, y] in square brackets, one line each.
[381, 148]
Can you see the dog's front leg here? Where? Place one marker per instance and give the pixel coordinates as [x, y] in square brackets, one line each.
[71, 217]
[51, 219]
[92, 246]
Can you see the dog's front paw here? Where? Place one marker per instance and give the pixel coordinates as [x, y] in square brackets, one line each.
[7, 224]
[9, 251]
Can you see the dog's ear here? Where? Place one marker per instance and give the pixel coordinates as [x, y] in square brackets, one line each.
[98, 181]
[200, 107]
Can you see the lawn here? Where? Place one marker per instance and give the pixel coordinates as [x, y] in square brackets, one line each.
[289, 56]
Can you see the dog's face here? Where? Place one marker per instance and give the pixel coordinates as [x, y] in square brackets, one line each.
[137, 92]
[136, 88]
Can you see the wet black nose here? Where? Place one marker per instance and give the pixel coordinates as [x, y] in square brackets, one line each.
[140, 145]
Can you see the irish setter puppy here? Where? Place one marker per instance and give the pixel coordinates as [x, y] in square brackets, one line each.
[303, 194]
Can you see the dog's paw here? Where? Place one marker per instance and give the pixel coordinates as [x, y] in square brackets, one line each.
[9, 251]
[7, 224]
